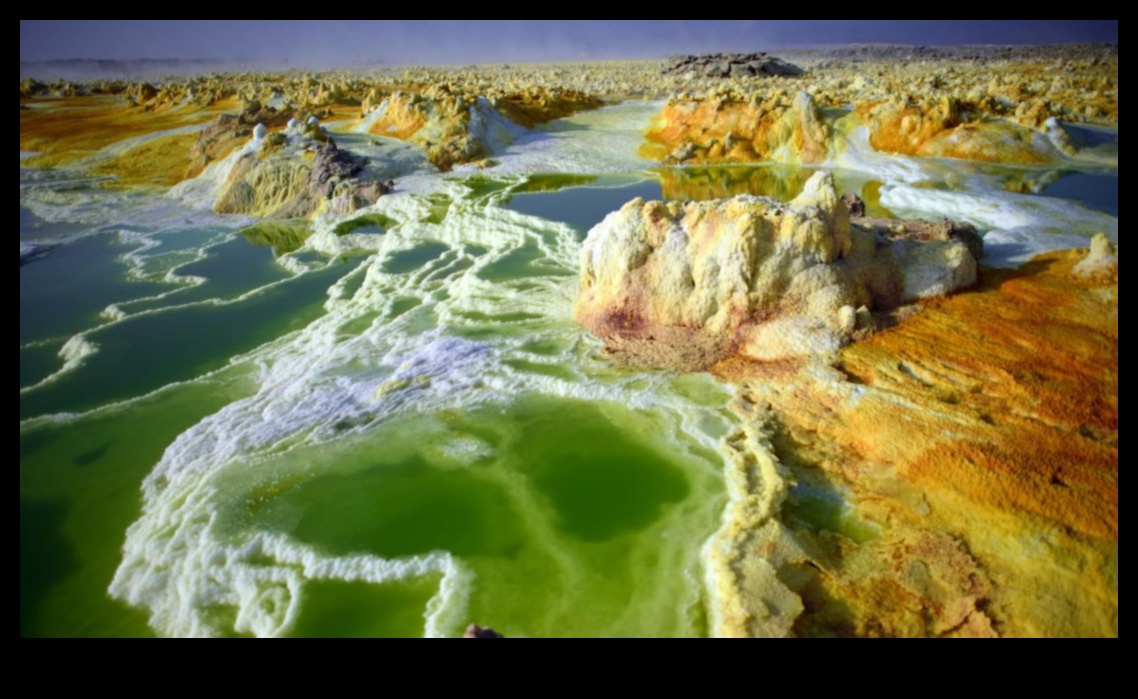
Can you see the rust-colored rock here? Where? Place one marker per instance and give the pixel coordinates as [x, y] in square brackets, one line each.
[947, 128]
[975, 446]
[726, 129]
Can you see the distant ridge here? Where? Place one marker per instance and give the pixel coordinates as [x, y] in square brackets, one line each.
[962, 51]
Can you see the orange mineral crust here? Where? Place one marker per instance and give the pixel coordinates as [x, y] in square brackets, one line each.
[1030, 365]
[66, 129]
[945, 128]
[977, 443]
[727, 129]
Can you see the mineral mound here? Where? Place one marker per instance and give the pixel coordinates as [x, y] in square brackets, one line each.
[685, 285]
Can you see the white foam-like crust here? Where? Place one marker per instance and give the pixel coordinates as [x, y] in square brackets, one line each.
[367, 123]
[859, 155]
[179, 564]
[73, 197]
[596, 141]
[1018, 226]
[276, 101]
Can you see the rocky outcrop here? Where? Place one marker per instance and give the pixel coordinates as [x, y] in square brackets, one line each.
[229, 131]
[535, 106]
[730, 65]
[1101, 261]
[949, 128]
[725, 129]
[30, 87]
[455, 126]
[476, 631]
[285, 185]
[953, 475]
[685, 285]
[979, 104]
[142, 93]
[440, 126]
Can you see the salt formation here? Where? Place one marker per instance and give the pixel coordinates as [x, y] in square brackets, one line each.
[1101, 260]
[686, 284]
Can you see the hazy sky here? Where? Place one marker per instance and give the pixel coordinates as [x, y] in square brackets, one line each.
[438, 41]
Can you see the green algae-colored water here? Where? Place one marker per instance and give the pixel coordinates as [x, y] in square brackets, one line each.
[549, 495]
[568, 516]
[79, 491]
[395, 445]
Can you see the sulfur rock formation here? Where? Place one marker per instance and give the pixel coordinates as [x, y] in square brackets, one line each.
[456, 127]
[956, 475]
[1101, 261]
[725, 129]
[948, 127]
[287, 184]
[952, 475]
[684, 285]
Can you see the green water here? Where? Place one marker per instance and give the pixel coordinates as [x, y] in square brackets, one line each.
[79, 491]
[281, 236]
[584, 204]
[230, 269]
[566, 517]
[567, 512]
[144, 353]
[368, 223]
[414, 259]
[79, 479]
[66, 292]
[521, 263]
[39, 361]
[362, 610]
[581, 207]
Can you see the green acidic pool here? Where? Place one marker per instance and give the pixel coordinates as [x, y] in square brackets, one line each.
[573, 517]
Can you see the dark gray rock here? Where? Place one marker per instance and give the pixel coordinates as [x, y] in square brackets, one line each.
[476, 631]
[332, 166]
[335, 170]
[730, 65]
